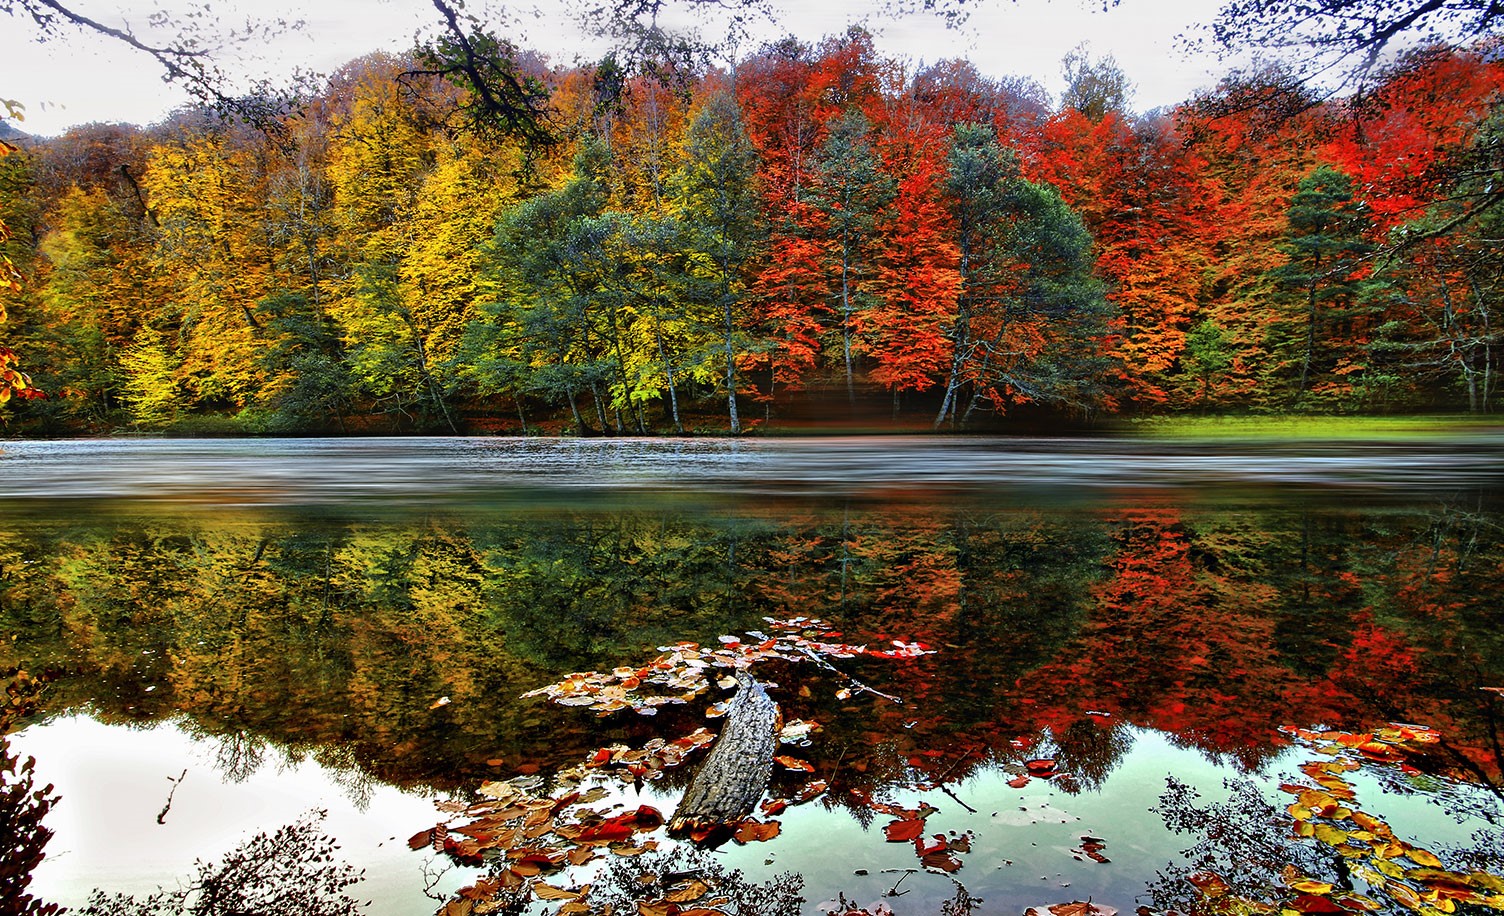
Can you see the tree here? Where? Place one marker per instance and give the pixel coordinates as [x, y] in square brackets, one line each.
[719, 206]
[1325, 285]
[12, 379]
[1030, 318]
[149, 390]
[1094, 87]
[1445, 325]
[1206, 356]
[550, 293]
[1348, 38]
[852, 194]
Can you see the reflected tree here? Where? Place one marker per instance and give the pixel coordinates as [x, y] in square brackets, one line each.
[290, 872]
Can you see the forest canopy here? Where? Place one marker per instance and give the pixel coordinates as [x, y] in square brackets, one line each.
[469, 238]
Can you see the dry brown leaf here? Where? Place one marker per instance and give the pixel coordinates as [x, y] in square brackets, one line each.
[549, 892]
[689, 892]
[750, 831]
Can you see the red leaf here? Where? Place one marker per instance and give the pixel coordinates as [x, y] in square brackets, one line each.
[904, 830]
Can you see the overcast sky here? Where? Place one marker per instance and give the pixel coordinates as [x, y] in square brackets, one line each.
[89, 78]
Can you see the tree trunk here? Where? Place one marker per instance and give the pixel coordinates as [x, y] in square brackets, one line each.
[1305, 364]
[736, 423]
[668, 369]
[728, 785]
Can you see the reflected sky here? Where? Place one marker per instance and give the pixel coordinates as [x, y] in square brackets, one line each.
[114, 781]
[1025, 849]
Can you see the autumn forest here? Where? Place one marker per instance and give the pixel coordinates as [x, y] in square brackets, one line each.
[816, 235]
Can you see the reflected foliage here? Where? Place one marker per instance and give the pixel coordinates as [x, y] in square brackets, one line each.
[290, 872]
[1325, 852]
[22, 806]
[399, 649]
[334, 639]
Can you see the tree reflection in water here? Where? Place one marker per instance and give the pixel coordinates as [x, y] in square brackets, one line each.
[291, 871]
[1061, 634]
[23, 837]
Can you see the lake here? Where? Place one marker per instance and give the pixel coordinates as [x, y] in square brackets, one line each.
[1192, 676]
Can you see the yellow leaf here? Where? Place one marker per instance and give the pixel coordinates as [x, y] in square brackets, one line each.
[1330, 835]
[1355, 901]
[1388, 868]
[1422, 857]
[1371, 823]
[1310, 886]
[1403, 894]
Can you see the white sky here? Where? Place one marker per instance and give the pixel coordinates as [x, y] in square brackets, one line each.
[90, 78]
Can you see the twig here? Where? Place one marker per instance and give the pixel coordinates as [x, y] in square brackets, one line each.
[894, 891]
[162, 815]
[957, 800]
[856, 684]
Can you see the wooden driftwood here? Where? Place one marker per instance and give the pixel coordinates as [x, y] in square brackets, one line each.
[728, 785]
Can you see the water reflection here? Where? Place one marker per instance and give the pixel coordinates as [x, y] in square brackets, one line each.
[1124, 643]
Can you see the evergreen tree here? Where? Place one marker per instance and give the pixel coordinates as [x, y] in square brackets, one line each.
[1324, 291]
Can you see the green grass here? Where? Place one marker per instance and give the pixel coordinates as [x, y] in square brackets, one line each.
[1310, 427]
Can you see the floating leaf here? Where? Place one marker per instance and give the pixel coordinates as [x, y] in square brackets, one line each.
[1312, 903]
[549, 892]
[903, 831]
[1018, 782]
[1423, 858]
[1210, 884]
[1352, 900]
[579, 855]
[793, 763]
[811, 789]
[940, 860]
[750, 831]
[1404, 894]
[689, 892]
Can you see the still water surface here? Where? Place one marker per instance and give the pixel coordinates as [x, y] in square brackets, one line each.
[1122, 642]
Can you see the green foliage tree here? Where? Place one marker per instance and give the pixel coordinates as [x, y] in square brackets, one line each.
[719, 204]
[1030, 317]
[1094, 87]
[1325, 287]
[1208, 353]
[852, 193]
[550, 293]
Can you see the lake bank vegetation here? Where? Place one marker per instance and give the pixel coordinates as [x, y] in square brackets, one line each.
[815, 237]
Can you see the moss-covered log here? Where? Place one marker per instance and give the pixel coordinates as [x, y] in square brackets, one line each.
[734, 776]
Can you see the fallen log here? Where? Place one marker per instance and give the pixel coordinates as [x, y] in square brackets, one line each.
[728, 785]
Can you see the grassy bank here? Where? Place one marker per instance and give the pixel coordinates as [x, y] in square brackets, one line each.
[1309, 427]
